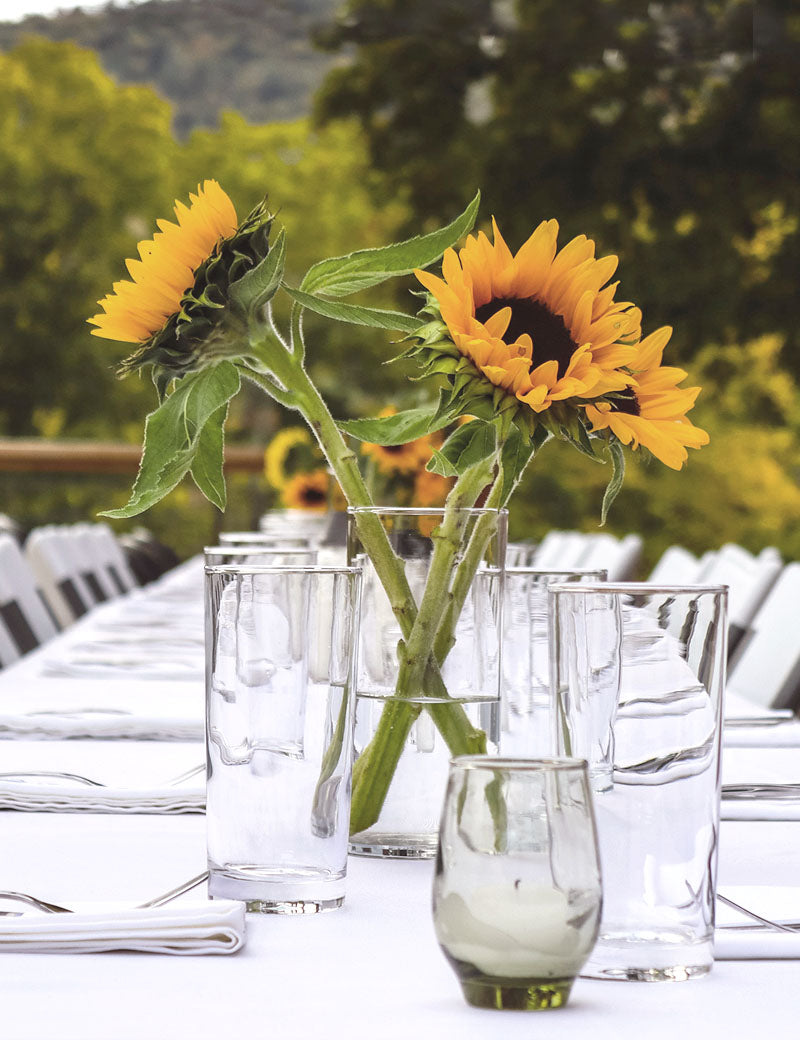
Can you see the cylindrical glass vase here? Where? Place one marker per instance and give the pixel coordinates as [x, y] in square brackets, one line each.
[405, 737]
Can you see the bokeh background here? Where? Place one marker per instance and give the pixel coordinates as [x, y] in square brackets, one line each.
[668, 132]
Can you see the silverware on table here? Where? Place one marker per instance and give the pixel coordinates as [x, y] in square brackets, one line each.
[761, 922]
[54, 908]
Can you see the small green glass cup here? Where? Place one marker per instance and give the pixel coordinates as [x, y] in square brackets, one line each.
[517, 892]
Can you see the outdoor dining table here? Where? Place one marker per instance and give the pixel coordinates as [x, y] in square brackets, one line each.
[370, 969]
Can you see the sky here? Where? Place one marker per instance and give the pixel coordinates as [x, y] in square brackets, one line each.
[14, 10]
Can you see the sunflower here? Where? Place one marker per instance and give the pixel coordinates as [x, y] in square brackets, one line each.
[307, 491]
[539, 325]
[399, 458]
[652, 412]
[280, 449]
[166, 269]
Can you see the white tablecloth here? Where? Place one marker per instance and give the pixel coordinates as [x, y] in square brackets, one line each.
[372, 969]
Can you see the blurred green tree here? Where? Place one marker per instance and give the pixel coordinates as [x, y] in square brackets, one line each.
[83, 164]
[656, 129]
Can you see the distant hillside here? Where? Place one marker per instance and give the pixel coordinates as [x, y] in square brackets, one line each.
[254, 56]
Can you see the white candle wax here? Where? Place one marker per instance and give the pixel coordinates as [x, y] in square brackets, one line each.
[519, 929]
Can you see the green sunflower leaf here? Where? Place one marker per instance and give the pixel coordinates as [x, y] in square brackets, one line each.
[389, 430]
[353, 314]
[342, 275]
[518, 451]
[441, 465]
[617, 478]
[258, 285]
[174, 438]
[207, 464]
[469, 444]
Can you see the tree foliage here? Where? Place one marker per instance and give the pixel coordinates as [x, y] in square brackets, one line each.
[655, 129]
[83, 164]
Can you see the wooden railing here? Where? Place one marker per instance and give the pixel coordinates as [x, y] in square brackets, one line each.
[41, 456]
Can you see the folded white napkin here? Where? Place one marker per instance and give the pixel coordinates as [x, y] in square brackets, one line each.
[752, 725]
[217, 926]
[758, 944]
[778, 903]
[760, 808]
[779, 734]
[120, 708]
[764, 767]
[113, 663]
[43, 795]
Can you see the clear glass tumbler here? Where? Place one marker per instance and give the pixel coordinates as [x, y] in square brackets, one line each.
[638, 674]
[527, 727]
[517, 892]
[280, 653]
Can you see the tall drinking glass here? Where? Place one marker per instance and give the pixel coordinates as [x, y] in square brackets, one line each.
[527, 727]
[280, 653]
[516, 894]
[638, 673]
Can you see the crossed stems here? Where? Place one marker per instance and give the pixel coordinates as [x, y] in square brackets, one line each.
[427, 630]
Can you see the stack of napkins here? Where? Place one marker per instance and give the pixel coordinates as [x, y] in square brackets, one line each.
[739, 938]
[190, 928]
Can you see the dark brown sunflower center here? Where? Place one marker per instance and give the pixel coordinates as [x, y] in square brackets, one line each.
[550, 336]
[625, 401]
[394, 449]
[313, 496]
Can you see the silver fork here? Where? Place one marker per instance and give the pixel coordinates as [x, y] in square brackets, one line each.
[788, 926]
[54, 908]
[53, 774]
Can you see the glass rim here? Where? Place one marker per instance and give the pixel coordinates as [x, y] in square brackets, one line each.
[532, 571]
[425, 510]
[498, 763]
[255, 548]
[638, 588]
[255, 568]
[260, 535]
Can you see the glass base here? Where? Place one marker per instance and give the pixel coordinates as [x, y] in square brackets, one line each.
[278, 890]
[295, 906]
[648, 959]
[517, 995]
[396, 846]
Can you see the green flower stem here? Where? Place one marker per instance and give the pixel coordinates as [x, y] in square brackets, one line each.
[419, 673]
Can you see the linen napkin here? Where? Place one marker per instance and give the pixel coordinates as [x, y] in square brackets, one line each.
[783, 733]
[119, 708]
[107, 661]
[43, 795]
[126, 777]
[750, 725]
[765, 767]
[760, 808]
[192, 928]
[778, 903]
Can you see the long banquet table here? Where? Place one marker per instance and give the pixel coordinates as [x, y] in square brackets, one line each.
[372, 969]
